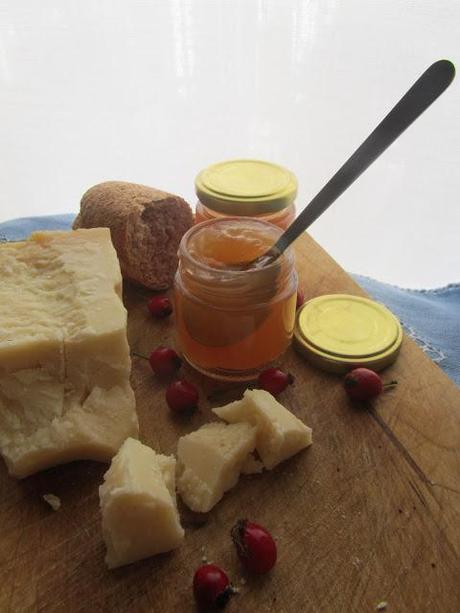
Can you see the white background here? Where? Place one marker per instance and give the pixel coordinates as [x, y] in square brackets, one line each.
[152, 92]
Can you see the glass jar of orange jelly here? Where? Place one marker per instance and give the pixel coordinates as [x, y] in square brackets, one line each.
[232, 322]
[246, 188]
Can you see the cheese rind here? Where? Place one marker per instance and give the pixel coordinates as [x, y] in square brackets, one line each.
[280, 434]
[210, 461]
[138, 504]
[64, 356]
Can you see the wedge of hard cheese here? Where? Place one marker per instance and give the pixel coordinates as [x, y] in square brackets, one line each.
[210, 461]
[138, 504]
[64, 357]
[280, 434]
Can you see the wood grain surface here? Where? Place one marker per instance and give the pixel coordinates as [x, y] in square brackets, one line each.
[369, 513]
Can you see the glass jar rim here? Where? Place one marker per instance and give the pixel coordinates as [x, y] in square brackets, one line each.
[286, 256]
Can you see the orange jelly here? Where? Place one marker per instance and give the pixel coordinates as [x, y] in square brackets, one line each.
[231, 323]
[282, 218]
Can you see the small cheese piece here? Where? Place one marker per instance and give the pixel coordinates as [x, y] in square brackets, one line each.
[280, 434]
[138, 504]
[210, 462]
[64, 356]
[53, 501]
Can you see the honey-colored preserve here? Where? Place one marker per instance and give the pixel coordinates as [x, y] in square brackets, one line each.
[282, 219]
[231, 323]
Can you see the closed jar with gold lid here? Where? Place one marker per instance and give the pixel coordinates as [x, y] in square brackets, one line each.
[246, 188]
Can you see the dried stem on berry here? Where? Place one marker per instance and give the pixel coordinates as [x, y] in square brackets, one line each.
[237, 534]
[225, 596]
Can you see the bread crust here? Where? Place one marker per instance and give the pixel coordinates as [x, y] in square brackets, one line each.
[146, 226]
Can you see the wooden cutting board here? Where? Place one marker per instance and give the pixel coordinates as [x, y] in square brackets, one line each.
[369, 513]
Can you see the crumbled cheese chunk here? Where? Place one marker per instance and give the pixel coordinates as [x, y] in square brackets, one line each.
[138, 504]
[210, 462]
[280, 434]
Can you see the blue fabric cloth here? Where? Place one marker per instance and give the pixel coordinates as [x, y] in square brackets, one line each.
[18, 229]
[430, 317]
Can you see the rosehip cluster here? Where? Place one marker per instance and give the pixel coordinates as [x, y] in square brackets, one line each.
[181, 396]
[257, 551]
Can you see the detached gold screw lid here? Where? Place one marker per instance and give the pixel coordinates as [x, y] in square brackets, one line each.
[246, 187]
[339, 331]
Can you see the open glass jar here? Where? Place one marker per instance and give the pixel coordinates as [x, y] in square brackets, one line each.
[246, 188]
[232, 323]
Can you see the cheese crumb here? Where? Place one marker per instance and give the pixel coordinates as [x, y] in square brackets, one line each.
[53, 501]
[382, 605]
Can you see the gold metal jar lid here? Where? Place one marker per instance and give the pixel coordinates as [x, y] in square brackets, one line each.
[246, 187]
[337, 332]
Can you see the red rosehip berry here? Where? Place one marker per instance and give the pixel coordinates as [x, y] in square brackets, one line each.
[300, 298]
[274, 380]
[160, 306]
[211, 587]
[182, 396]
[364, 384]
[255, 546]
[164, 361]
